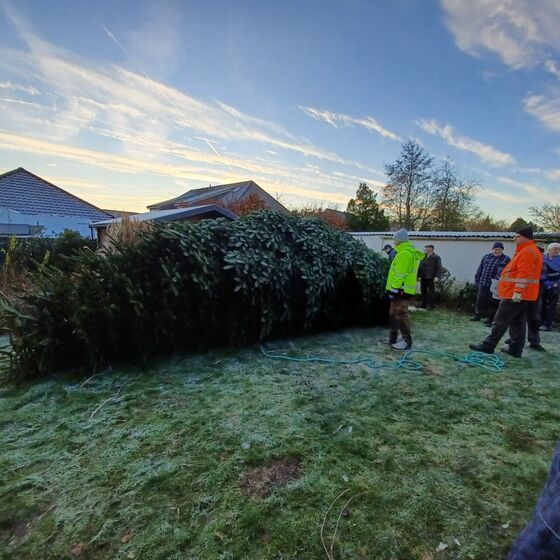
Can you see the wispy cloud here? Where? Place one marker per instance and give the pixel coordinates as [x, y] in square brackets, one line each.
[546, 108]
[520, 32]
[341, 120]
[148, 127]
[486, 153]
[534, 192]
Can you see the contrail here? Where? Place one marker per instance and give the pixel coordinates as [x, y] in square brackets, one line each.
[211, 146]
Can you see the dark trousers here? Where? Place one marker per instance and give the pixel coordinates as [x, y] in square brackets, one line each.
[483, 297]
[539, 540]
[549, 305]
[399, 320]
[534, 321]
[512, 316]
[427, 289]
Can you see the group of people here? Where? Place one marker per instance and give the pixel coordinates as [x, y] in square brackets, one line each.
[513, 294]
[518, 294]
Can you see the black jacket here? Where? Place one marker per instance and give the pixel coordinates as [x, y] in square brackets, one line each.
[430, 267]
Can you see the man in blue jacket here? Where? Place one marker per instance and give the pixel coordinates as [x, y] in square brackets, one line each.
[489, 268]
[550, 286]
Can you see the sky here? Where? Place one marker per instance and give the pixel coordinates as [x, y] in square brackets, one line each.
[128, 103]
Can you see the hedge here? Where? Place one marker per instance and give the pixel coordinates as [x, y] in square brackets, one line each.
[190, 287]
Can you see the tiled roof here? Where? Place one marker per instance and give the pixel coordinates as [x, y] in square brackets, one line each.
[27, 193]
[197, 195]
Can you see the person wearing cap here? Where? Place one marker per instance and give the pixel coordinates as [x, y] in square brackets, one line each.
[401, 286]
[429, 274]
[489, 268]
[518, 285]
[388, 249]
[550, 286]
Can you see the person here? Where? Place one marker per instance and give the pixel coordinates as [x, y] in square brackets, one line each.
[540, 539]
[429, 274]
[401, 286]
[490, 266]
[517, 286]
[388, 249]
[550, 286]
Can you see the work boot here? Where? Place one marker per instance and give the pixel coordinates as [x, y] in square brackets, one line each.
[488, 323]
[401, 345]
[482, 348]
[507, 350]
[475, 318]
[545, 328]
[537, 347]
[388, 341]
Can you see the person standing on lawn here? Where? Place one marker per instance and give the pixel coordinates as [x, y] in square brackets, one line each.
[488, 269]
[550, 286]
[518, 285]
[540, 540]
[429, 273]
[401, 286]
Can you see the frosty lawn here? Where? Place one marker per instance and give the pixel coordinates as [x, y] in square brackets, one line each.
[233, 455]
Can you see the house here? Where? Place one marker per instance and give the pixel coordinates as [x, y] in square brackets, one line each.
[30, 205]
[228, 196]
[190, 214]
[460, 251]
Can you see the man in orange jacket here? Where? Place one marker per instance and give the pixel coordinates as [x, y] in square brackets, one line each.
[517, 286]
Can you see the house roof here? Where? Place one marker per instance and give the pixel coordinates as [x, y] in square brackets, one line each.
[29, 194]
[197, 195]
[171, 215]
[456, 234]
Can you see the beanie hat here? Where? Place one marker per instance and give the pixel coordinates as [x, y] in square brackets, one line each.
[387, 247]
[526, 231]
[498, 245]
[400, 236]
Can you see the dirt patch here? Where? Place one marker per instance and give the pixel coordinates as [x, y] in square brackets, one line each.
[262, 480]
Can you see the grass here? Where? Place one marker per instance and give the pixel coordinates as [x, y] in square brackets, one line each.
[452, 454]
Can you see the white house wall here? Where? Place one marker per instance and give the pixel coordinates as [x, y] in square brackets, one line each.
[52, 225]
[461, 256]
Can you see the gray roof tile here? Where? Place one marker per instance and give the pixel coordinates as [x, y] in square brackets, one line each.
[27, 193]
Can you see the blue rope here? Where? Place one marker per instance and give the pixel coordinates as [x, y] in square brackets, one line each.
[489, 362]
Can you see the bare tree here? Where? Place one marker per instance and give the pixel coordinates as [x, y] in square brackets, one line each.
[407, 195]
[452, 199]
[548, 216]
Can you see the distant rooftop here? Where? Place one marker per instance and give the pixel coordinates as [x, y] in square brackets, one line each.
[29, 194]
[171, 215]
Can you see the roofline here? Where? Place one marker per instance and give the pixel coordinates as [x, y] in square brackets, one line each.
[56, 187]
[202, 210]
[457, 234]
[179, 197]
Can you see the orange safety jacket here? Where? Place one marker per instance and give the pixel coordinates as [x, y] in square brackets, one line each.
[522, 273]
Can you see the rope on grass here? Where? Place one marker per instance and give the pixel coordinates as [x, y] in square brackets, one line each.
[488, 362]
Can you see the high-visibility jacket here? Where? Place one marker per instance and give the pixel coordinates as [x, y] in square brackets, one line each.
[521, 275]
[404, 269]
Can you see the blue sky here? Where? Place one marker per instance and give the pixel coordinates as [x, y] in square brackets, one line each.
[129, 103]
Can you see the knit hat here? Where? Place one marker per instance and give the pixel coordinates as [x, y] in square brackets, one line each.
[387, 247]
[498, 245]
[400, 236]
[526, 231]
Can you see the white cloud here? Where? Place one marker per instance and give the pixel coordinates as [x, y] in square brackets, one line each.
[340, 119]
[486, 153]
[522, 33]
[535, 193]
[546, 108]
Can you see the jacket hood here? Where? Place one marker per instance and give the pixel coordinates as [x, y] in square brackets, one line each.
[410, 248]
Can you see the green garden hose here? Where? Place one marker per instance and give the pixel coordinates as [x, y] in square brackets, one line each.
[489, 362]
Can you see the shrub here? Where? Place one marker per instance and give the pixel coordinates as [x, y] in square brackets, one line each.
[194, 286]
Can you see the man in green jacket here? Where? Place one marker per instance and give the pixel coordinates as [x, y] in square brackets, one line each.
[401, 286]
